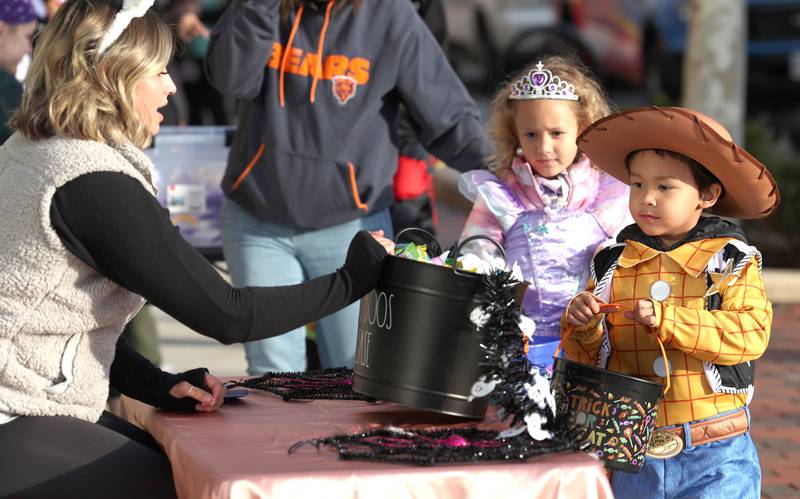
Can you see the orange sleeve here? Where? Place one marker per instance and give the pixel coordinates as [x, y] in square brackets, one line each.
[738, 332]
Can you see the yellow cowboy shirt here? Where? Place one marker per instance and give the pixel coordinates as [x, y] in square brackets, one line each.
[737, 332]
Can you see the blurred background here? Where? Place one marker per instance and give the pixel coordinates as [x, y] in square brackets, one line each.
[735, 60]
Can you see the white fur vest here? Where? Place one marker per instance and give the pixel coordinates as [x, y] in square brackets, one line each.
[59, 318]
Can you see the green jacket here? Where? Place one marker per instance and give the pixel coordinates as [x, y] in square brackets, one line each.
[10, 98]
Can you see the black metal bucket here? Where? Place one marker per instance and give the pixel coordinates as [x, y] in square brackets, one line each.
[416, 344]
[617, 411]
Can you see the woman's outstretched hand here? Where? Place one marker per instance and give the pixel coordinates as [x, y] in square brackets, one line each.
[207, 402]
[385, 242]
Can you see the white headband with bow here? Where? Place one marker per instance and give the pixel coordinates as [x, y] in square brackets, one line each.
[131, 9]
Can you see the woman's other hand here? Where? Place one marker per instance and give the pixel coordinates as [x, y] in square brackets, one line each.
[209, 401]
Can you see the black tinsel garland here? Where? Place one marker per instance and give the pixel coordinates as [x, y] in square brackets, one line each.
[504, 359]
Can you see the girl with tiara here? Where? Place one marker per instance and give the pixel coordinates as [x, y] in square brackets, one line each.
[545, 203]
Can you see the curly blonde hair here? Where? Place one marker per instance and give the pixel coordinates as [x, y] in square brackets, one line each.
[71, 91]
[591, 105]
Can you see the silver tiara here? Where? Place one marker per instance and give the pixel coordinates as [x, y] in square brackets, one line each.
[541, 84]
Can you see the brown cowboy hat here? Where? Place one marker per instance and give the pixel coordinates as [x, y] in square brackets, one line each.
[750, 190]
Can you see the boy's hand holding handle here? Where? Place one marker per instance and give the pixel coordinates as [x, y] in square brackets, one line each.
[585, 307]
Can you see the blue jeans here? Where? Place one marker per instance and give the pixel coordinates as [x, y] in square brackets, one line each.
[724, 469]
[261, 254]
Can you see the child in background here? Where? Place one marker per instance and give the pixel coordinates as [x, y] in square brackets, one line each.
[686, 287]
[17, 24]
[546, 204]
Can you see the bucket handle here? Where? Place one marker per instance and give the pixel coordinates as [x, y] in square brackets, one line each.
[407, 229]
[434, 248]
[457, 251]
[652, 330]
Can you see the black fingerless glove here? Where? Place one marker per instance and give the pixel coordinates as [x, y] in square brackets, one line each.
[196, 377]
[364, 262]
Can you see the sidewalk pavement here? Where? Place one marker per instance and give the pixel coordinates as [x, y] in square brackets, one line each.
[775, 408]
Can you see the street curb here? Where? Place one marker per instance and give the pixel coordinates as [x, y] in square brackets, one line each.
[783, 285]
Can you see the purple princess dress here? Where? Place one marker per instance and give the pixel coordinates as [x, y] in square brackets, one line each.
[551, 228]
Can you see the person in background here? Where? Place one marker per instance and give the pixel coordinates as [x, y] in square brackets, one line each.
[88, 243]
[319, 84]
[52, 6]
[195, 102]
[680, 300]
[414, 199]
[545, 203]
[17, 25]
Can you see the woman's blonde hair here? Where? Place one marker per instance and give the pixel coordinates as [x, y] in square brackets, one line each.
[591, 105]
[70, 91]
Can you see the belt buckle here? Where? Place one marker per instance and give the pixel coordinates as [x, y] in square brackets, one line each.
[664, 445]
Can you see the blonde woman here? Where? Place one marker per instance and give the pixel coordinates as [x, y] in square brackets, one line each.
[84, 243]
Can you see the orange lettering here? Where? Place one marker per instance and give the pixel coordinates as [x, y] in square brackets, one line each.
[359, 69]
[335, 65]
[293, 64]
[305, 64]
[309, 64]
[275, 57]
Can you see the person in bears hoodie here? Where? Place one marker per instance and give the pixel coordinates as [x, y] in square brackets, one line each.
[312, 162]
[682, 286]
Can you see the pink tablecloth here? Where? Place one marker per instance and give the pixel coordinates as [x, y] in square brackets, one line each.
[241, 452]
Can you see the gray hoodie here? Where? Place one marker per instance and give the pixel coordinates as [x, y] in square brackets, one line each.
[311, 152]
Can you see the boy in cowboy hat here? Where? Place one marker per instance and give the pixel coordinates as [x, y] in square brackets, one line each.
[683, 286]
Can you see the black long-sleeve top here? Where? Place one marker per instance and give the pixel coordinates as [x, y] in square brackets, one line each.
[110, 222]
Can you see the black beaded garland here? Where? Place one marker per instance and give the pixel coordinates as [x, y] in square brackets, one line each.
[429, 447]
[330, 384]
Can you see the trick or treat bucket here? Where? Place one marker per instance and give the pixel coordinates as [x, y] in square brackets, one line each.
[617, 413]
[416, 344]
